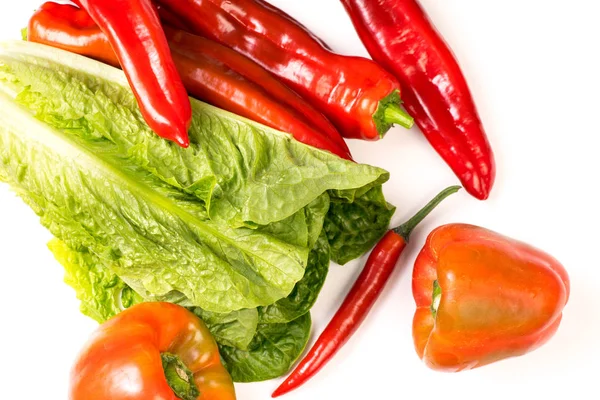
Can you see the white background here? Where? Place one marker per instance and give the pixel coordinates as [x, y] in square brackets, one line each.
[534, 69]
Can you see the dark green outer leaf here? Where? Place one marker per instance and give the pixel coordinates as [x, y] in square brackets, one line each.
[272, 352]
[235, 329]
[353, 228]
[305, 294]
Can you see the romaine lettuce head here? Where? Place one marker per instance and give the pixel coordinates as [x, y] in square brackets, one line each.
[225, 225]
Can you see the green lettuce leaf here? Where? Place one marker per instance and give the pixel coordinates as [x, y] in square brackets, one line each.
[266, 180]
[272, 352]
[354, 224]
[235, 329]
[102, 293]
[198, 225]
[305, 294]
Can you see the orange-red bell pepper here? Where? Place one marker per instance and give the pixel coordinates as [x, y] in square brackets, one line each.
[158, 351]
[482, 297]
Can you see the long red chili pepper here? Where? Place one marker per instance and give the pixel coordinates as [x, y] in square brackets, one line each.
[210, 71]
[400, 37]
[135, 33]
[361, 298]
[356, 94]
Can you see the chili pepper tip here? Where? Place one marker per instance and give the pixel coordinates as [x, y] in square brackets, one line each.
[183, 141]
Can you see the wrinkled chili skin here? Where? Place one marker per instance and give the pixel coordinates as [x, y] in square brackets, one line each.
[210, 72]
[122, 359]
[348, 90]
[135, 33]
[500, 298]
[399, 35]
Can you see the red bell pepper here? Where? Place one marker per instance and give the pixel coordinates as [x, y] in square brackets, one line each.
[135, 33]
[400, 37]
[356, 94]
[483, 297]
[151, 351]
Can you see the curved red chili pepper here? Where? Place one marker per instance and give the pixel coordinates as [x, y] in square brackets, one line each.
[356, 94]
[399, 36]
[361, 298]
[135, 33]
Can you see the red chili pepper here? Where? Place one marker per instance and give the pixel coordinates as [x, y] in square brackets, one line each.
[135, 33]
[210, 71]
[168, 18]
[78, 32]
[361, 298]
[356, 94]
[400, 37]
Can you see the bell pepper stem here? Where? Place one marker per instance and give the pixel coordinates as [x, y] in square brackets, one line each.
[393, 114]
[406, 228]
[436, 298]
[179, 377]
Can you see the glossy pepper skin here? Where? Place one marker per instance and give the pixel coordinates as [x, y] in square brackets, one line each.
[356, 94]
[146, 350]
[210, 72]
[399, 36]
[495, 298]
[362, 297]
[229, 80]
[74, 27]
[135, 33]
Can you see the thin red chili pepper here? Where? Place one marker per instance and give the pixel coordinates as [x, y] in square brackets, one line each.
[361, 298]
[399, 36]
[210, 71]
[356, 94]
[135, 33]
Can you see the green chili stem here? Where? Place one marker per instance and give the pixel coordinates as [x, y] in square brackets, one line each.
[406, 229]
[394, 114]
